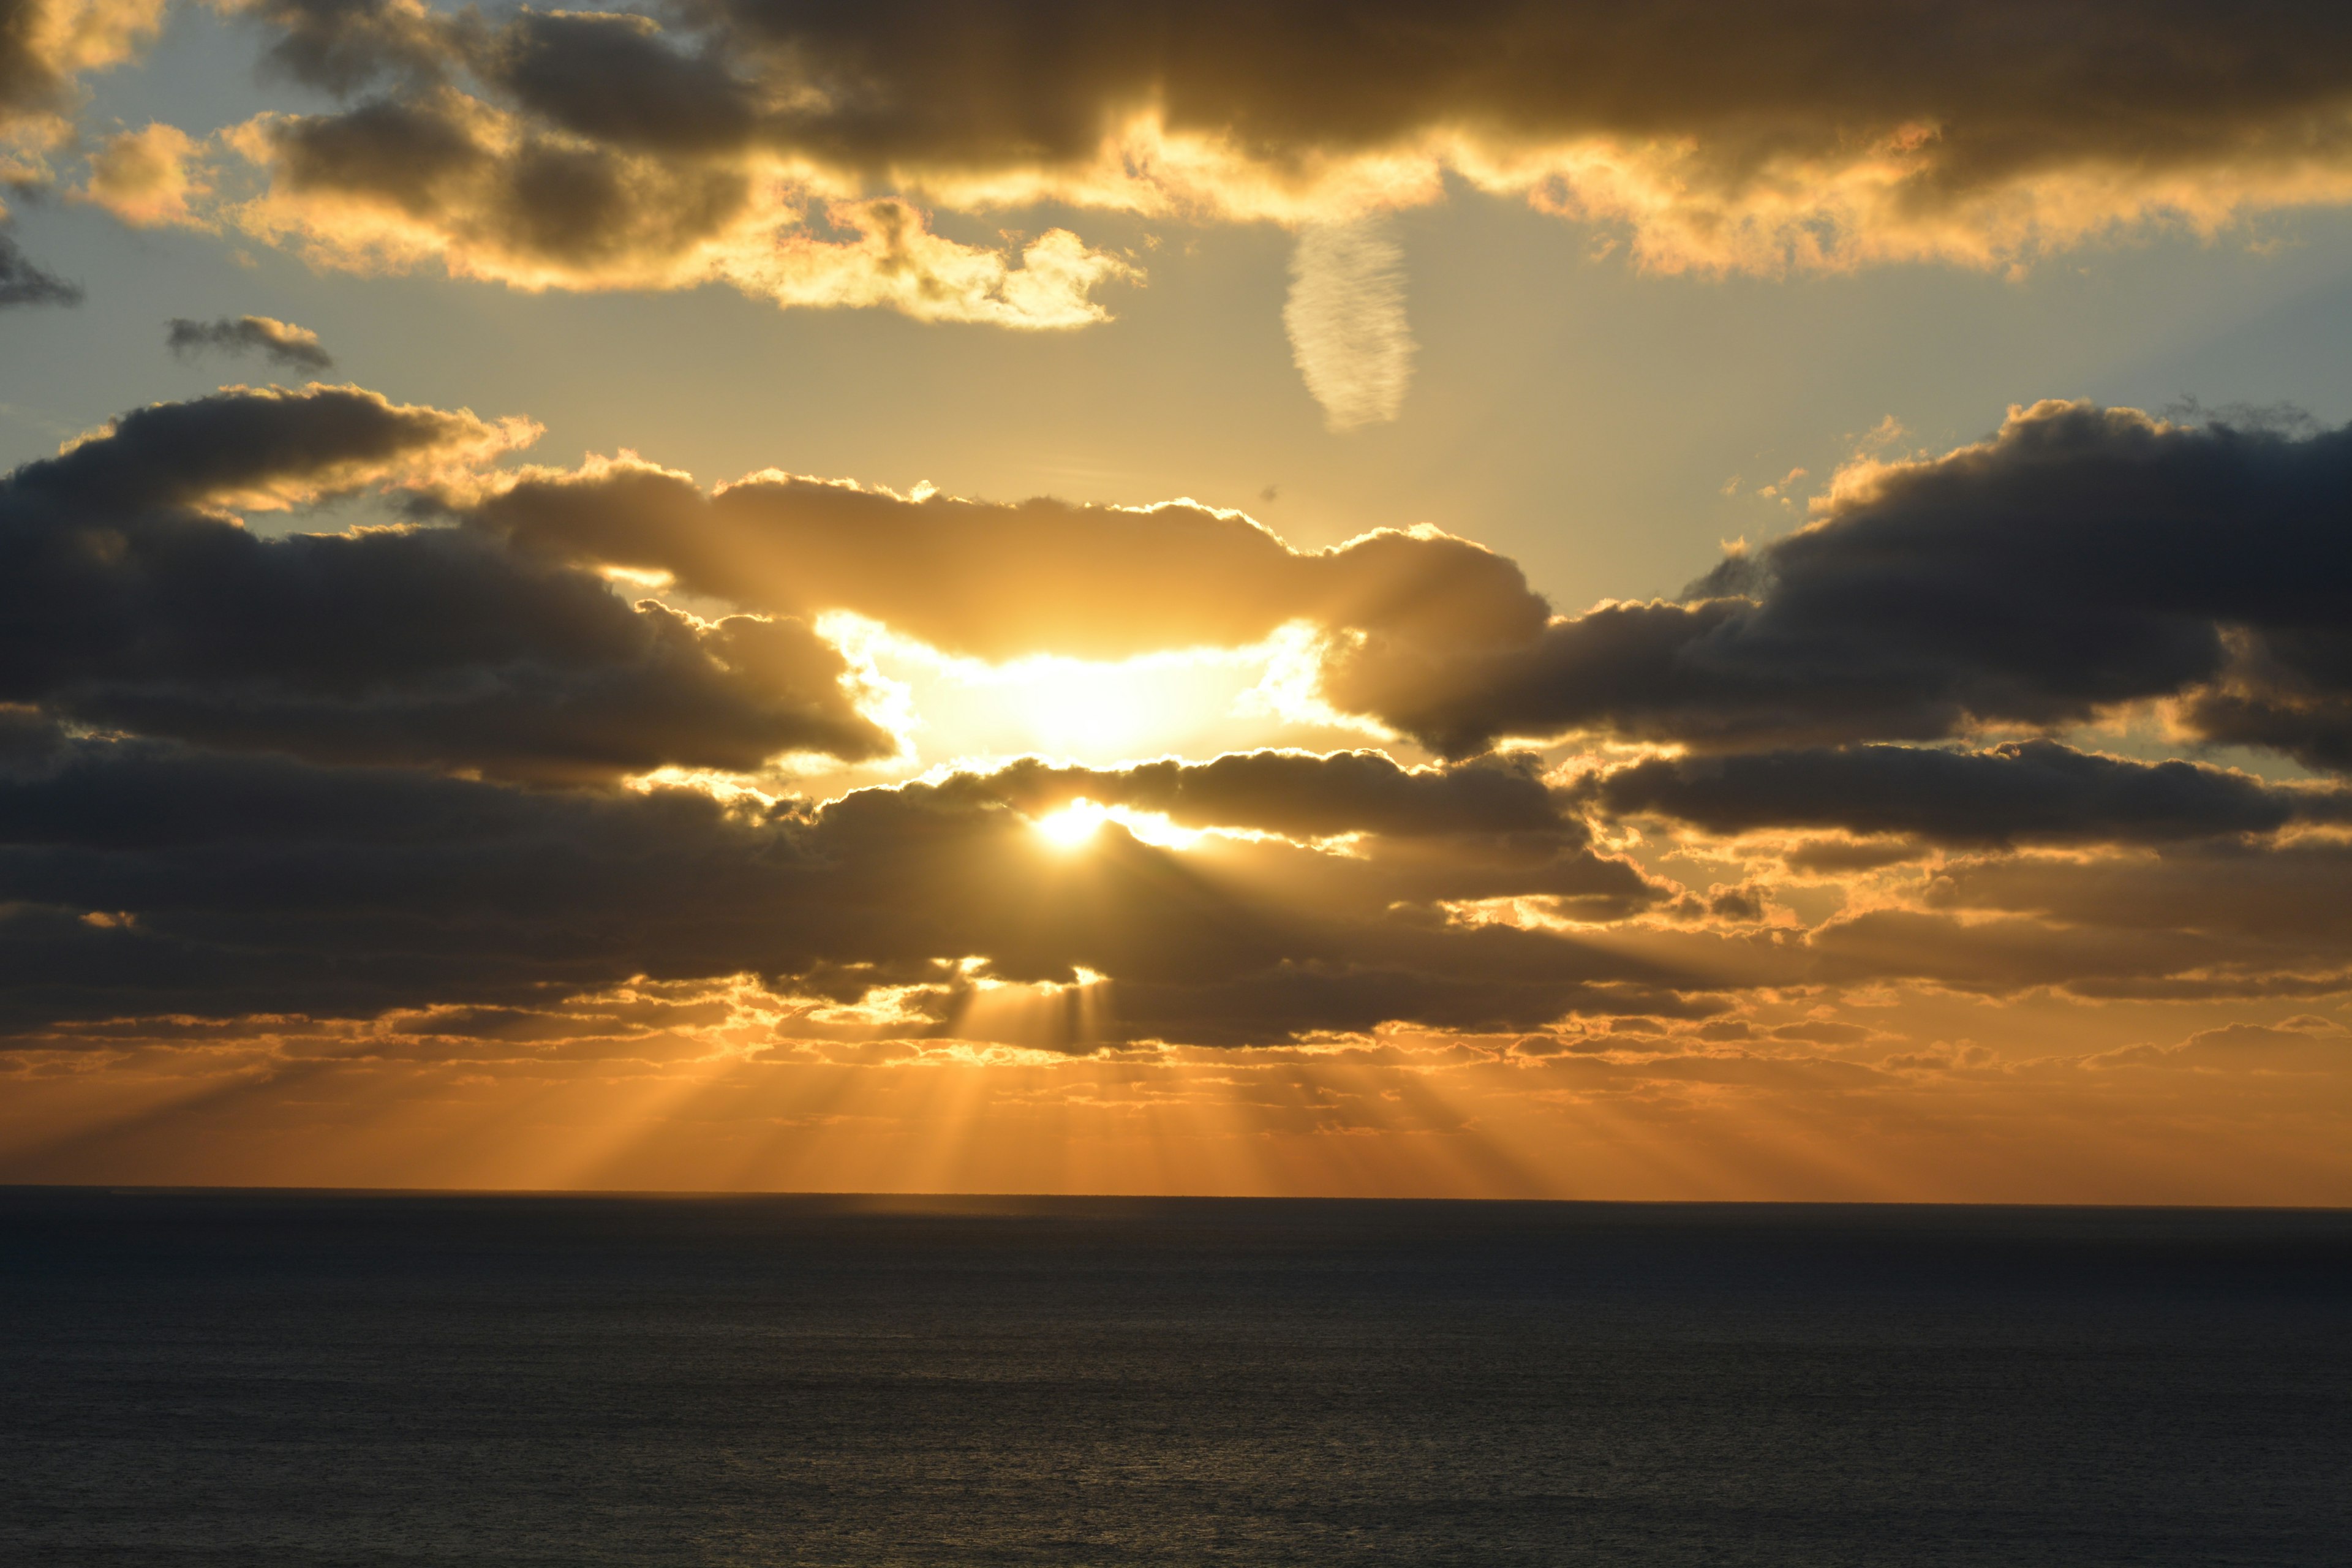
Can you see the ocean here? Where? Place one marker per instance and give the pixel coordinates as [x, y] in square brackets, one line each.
[267, 1378]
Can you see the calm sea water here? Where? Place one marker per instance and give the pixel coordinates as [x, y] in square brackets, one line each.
[261, 1379]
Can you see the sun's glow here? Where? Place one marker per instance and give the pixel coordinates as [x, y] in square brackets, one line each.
[1075, 825]
[1097, 711]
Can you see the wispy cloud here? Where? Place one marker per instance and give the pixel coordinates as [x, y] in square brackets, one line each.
[1347, 321]
[280, 342]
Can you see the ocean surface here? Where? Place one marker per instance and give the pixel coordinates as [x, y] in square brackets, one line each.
[258, 1379]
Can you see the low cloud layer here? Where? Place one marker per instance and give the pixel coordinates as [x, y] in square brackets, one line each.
[2036, 791]
[257, 884]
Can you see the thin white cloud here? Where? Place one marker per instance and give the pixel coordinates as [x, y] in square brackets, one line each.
[1347, 321]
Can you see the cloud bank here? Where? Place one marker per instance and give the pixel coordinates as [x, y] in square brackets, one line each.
[417, 786]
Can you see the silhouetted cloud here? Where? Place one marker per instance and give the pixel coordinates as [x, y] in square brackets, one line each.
[1304, 796]
[280, 342]
[143, 878]
[22, 283]
[2082, 557]
[420, 686]
[999, 580]
[2033, 792]
[128, 598]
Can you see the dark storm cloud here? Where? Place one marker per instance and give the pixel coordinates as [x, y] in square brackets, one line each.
[126, 600]
[280, 342]
[2030, 792]
[23, 283]
[998, 581]
[2083, 557]
[142, 878]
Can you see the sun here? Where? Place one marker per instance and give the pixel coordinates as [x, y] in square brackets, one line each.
[1072, 825]
[1076, 825]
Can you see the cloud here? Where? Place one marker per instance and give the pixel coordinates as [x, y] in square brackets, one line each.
[1815, 136]
[1347, 322]
[1304, 796]
[2281, 894]
[143, 878]
[2028, 792]
[798, 155]
[147, 178]
[251, 449]
[45, 44]
[280, 342]
[406, 767]
[2080, 558]
[22, 283]
[2297, 1046]
[133, 598]
[439, 176]
[997, 581]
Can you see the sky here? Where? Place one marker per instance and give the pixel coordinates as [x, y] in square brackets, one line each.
[1526, 601]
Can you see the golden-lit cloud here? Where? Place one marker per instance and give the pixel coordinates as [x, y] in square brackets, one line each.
[47, 45]
[865, 159]
[146, 178]
[999, 581]
[451, 180]
[136, 598]
[1819, 135]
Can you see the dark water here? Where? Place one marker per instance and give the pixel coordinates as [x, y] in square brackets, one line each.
[265, 1379]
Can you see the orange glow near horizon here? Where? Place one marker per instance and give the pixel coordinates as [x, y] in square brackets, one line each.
[1396, 1115]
